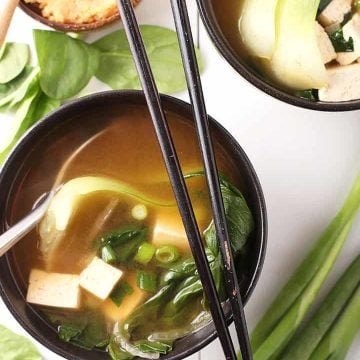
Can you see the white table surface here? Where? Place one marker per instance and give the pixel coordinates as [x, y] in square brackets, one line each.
[306, 162]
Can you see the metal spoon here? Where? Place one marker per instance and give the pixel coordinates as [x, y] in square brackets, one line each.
[10, 237]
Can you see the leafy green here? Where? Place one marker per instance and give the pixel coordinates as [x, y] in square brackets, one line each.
[238, 215]
[86, 329]
[117, 68]
[14, 91]
[288, 310]
[16, 347]
[66, 64]
[310, 94]
[14, 58]
[339, 42]
[120, 292]
[147, 346]
[305, 342]
[116, 352]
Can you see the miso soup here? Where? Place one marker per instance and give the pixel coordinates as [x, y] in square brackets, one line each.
[110, 266]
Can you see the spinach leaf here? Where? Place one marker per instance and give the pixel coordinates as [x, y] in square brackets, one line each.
[117, 68]
[15, 347]
[32, 108]
[310, 94]
[66, 64]
[14, 58]
[238, 215]
[323, 4]
[339, 42]
[123, 242]
[85, 329]
[116, 352]
[14, 91]
[147, 346]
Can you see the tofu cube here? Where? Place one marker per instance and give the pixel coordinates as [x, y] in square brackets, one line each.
[128, 305]
[324, 43]
[334, 13]
[100, 278]
[351, 29]
[53, 289]
[343, 83]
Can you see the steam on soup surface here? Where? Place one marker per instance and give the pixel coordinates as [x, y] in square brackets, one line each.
[110, 265]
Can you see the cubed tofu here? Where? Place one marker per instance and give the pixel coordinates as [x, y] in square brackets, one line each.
[343, 83]
[100, 278]
[351, 29]
[128, 305]
[334, 13]
[326, 48]
[169, 229]
[53, 289]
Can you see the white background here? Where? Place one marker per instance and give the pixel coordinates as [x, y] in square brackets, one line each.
[306, 162]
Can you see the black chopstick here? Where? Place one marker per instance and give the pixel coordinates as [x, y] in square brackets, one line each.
[175, 174]
[191, 68]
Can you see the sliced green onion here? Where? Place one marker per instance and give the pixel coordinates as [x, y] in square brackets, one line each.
[167, 254]
[139, 212]
[108, 254]
[144, 254]
[146, 281]
[118, 294]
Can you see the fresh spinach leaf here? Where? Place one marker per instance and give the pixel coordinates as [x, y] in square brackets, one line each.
[14, 91]
[16, 347]
[15, 57]
[117, 68]
[32, 108]
[66, 64]
[116, 352]
[339, 42]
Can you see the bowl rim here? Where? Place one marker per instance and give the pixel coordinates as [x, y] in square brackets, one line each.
[219, 40]
[174, 103]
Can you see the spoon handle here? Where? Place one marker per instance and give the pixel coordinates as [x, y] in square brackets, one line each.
[6, 14]
[10, 237]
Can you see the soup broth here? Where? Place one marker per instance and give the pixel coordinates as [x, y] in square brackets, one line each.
[121, 150]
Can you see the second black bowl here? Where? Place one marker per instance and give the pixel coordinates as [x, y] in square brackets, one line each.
[214, 13]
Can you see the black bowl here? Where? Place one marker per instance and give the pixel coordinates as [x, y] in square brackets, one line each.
[226, 45]
[14, 171]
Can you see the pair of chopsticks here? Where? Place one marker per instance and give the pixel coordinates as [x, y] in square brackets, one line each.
[176, 177]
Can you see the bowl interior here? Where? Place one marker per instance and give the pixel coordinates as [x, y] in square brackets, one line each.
[72, 119]
[221, 21]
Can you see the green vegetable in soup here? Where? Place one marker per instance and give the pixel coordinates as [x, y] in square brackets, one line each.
[257, 27]
[144, 254]
[117, 67]
[167, 254]
[339, 42]
[288, 310]
[66, 64]
[296, 62]
[120, 292]
[310, 94]
[14, 58]
[238, 216]
[147, 281]
[16, 347]
[326, 316]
